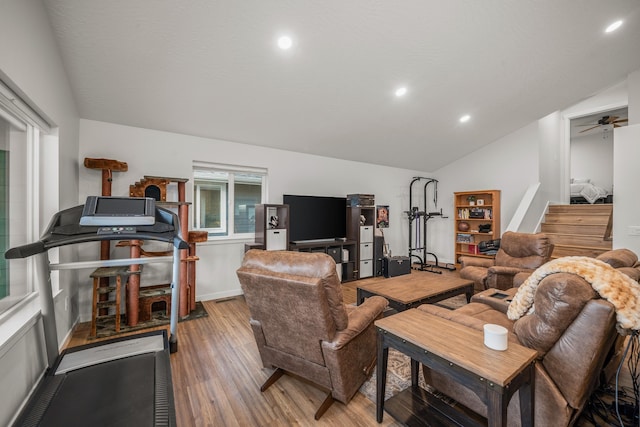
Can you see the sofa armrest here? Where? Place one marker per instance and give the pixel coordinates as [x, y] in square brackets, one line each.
[500, 304]
[501, 277]
[632, 272]
[467, 261]
[360, 317]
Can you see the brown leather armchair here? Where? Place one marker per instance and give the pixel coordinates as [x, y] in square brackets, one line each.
[302, 326]
[573, 330]
[518, 256]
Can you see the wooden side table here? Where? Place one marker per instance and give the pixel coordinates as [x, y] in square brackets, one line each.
[459, 352]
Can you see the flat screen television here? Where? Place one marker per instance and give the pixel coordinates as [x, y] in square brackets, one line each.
[316, 218]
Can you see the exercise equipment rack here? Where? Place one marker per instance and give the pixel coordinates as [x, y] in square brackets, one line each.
[421, 218]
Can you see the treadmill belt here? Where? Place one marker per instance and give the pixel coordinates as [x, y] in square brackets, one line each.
[117, 393]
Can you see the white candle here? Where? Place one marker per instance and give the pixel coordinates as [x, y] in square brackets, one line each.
[495, 336]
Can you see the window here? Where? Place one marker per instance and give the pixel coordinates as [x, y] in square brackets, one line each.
[18, 206]
[224, 199]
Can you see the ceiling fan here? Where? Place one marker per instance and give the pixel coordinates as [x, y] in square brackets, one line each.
[605, 121]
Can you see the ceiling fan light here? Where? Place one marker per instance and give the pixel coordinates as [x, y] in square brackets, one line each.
[614, 26]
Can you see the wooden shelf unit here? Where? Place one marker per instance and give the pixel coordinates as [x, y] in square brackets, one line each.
[466, 242]
[345, 261]
[272, 235]
[362, 234]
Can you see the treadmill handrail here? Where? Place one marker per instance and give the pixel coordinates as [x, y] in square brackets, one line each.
[64, 229]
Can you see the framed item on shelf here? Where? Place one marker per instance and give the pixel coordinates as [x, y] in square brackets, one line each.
[480, 202]
[382, 216]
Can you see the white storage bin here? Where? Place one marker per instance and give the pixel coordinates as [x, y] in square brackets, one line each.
[276, 240]
[366, 268]
[366, 251]
[366, 234]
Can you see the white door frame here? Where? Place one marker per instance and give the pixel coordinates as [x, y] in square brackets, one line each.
[565, 174]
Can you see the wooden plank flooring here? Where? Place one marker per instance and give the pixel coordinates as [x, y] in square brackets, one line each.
[217, 374]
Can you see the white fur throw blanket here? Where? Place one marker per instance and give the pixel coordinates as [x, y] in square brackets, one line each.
[616, 287]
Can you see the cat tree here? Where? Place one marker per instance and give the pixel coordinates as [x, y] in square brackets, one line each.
[142, 301]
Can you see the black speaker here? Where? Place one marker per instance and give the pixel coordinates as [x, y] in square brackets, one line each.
[378, 245]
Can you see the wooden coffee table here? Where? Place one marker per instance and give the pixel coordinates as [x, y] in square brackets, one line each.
[459, 352]
[411, 290]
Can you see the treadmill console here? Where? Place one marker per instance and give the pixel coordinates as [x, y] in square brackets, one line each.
[116, 230]
[118, 211]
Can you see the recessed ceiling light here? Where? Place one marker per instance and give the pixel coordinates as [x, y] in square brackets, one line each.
[613, 26]
[285, 42]
[401, 91]
[465, 118]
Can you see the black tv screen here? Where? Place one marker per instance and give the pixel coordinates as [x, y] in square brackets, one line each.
[316, 217]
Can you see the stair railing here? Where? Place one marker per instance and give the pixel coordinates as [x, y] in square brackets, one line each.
[608, 232]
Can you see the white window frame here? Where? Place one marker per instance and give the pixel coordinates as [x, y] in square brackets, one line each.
[228, 219]
[22, 119]
[224, 208]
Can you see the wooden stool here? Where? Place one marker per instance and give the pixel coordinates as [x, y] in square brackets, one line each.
[102, 273]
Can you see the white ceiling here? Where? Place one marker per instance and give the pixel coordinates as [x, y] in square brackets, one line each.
[211, 68]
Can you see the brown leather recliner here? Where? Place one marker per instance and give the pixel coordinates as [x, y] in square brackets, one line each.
[573, 330]
[302, 326]
[518, 256]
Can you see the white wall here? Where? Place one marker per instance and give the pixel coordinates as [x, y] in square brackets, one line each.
[510, 165]
[633, 87]
[626, 178]
[539, 152]
[150, 152]
[611, 98]
[30, 63]
[592, 157]
[626, 175]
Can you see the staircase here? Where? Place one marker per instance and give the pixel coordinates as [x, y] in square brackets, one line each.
[579, 230]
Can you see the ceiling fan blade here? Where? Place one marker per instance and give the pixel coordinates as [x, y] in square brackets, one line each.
[611, 119]
[620, 121]
[589, 128]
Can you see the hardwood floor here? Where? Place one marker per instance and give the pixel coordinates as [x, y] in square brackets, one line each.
[217, 374]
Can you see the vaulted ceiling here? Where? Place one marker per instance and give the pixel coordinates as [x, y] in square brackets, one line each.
[212, 68]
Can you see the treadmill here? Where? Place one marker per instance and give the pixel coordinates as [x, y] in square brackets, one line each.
[123, 381]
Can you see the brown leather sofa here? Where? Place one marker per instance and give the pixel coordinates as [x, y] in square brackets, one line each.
[519, 254]
[573, 330]
[302, 326]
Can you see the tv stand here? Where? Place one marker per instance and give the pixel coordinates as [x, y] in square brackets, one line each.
[346, 266]
[314, 241]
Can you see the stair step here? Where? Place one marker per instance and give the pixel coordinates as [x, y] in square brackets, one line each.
[586, 209]
[567, 218]
[560, 251]
[578, 230]
[579, 240]
[583, 229]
